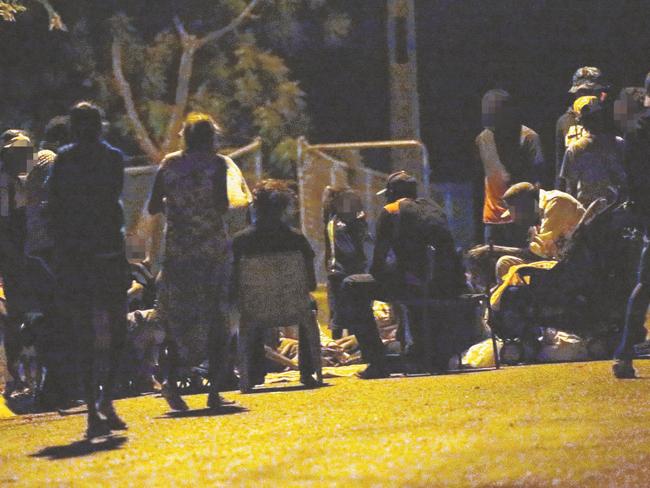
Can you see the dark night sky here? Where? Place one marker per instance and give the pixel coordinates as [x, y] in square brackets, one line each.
[529, 47]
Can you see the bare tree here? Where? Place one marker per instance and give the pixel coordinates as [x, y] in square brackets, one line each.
[190, 45]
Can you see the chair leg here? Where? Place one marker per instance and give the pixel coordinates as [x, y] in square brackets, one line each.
[316, 349]
[308, 331]
[495, 348]
[243, 358]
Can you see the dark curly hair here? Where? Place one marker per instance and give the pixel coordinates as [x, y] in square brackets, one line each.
[272, 197]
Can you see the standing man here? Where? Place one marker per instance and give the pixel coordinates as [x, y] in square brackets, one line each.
[510, 153]
[89, 258]
[15, 155]
[637, 160]
[587, 81]
[593, 165]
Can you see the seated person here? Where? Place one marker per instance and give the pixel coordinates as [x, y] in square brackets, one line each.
[269, 234]
[552, 217]
[406, 227]
[346, 231]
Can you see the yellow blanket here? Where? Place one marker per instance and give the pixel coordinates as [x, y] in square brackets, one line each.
[512, 278]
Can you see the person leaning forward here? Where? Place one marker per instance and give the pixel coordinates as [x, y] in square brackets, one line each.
[406, 227]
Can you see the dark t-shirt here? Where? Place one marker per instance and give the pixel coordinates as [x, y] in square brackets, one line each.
[344, 252]
[637, 164]
[266, 239]
[84, 198]
[407, 227]
[567, 130]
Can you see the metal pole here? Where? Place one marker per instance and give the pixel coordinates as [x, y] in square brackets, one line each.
[258, 159]
[301, 184]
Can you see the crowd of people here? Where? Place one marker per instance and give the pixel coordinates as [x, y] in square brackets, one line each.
[68, 283]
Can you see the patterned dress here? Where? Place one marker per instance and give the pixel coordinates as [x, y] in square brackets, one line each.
[194, 271]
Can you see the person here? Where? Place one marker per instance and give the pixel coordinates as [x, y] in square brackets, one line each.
[509, 152]
[586, 81]
[406, 227]
[270, 234]
[593, 164]
[38, 239]
[60, 386]
[15, 155]
[90, 265]
[637, 161]
[190, 187]
[346, 231]
[552, 217]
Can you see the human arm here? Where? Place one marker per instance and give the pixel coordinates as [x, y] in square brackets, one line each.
[383, 241]
[536, 158]
[560, 149]
[558, 221]
[567, 180]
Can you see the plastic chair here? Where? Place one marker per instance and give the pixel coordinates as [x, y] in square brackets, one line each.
[273, 291]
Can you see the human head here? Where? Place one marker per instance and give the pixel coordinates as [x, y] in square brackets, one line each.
[17, 152]
[200, 132]
[399, 185]
[628, 107]
[57, 132]
[590, 113]
[522, 200]
[499, 112]
[86, 122]
[343, 202]
[589, 80]
[271, 198]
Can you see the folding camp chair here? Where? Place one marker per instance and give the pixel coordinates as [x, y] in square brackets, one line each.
[274, 292]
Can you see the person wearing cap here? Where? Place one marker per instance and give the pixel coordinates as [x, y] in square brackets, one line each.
[637, 162]
[552, 217]
[91, 270]
[406, 226]
[509, 152]
[587, 80]
[593, 165]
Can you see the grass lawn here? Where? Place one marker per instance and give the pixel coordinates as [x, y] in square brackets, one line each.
[561, 425]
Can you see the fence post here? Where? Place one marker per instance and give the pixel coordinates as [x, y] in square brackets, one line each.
[258, 159]
[300, 154]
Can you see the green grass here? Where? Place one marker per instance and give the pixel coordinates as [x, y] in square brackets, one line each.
[563, 425]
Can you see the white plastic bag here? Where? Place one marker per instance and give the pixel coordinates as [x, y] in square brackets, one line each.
[481, 355]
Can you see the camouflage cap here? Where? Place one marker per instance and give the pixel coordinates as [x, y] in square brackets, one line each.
[587, 78]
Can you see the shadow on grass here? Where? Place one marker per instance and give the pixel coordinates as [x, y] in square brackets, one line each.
[205, 412]
[276, 389]
[80, 448]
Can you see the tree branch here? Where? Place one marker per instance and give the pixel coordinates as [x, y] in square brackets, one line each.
[189, 45]
[234, 24]
[186, 64]
[56, 23]
[141, 133]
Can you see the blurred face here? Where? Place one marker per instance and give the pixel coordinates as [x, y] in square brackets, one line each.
[17, 160]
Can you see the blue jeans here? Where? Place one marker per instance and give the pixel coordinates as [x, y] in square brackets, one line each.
[637, 305]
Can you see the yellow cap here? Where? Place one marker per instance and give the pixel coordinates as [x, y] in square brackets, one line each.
[582, 102]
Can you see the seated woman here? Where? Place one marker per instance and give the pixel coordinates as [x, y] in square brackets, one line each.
[269, 234]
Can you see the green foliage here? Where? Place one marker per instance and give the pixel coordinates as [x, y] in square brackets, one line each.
[241, 79]
[9, 10]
